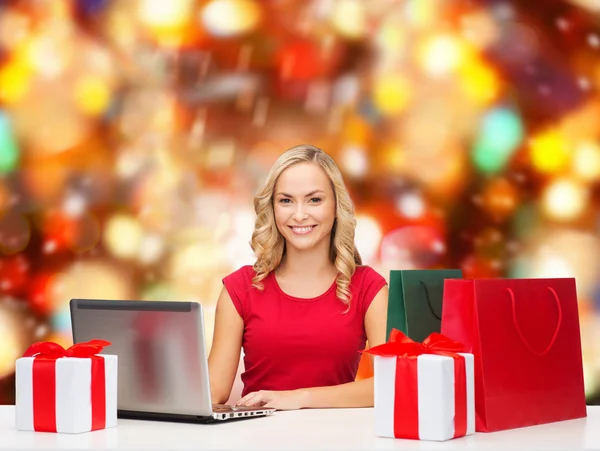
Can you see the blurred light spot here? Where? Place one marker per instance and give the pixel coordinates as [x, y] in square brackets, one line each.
[562, 24]
[411, 205]
[413, 247]
[237, 237]
[9, 152]
[346, 90]
[586, 161]
[15, 80]
[438, 247]
[171, 24]
[49, 247]
[564, 199]
[41, 331]
[354, 161]
[165, 14]
[91, 279]
[368, 236]
[478, 82]
[584, 83]
[50, 53]
[441, 55]
[92, 95]
[348, 18]
[226, 18]
[549, 151]
[560, 252]
[552, 266]
[151, 249]
[74, 205]
[123, 236]
[196, 269]
[500, 133]
[391, 39]
[130, 163]
[420, 13]
[391, 93]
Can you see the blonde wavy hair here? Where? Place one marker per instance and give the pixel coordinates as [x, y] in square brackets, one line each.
[269, 245]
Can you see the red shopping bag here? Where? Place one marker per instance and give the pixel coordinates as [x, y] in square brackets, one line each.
[524, 334]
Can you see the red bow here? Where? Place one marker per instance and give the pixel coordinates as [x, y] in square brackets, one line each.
[50, 350]
[402, 346]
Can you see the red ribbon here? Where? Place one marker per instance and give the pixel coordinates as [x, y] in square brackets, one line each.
[406, 403]
[44, 381]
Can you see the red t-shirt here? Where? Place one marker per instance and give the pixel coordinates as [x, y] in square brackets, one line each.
[292, 343]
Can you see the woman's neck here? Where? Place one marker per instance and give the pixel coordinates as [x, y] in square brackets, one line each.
[313, 262]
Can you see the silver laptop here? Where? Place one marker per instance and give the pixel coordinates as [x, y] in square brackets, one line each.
[163, 367]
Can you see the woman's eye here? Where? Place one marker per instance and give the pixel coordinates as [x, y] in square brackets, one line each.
[284, 201]
[316, 199]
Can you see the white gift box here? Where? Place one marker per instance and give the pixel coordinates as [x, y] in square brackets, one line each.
[73, 394]
[435, 415]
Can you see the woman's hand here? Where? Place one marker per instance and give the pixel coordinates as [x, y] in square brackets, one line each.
[280, 400]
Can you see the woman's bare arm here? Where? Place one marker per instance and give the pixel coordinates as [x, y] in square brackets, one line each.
[224, 355]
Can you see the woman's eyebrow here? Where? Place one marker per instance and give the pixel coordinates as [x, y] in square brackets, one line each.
[312, 193]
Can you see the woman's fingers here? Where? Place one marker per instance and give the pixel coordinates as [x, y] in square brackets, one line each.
[250, 399]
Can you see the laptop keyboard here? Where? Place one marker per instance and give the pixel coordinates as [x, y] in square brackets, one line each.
[219, 408]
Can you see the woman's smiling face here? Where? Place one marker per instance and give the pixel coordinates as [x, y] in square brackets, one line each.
[304, 206]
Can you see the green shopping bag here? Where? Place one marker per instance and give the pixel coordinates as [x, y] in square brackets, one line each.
[415, 301]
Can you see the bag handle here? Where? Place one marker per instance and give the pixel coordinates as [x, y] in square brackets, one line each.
[429, 301]
[516, 323]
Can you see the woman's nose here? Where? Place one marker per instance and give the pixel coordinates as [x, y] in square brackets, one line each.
[299, 214]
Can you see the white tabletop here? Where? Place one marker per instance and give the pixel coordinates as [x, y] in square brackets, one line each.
[304, 429]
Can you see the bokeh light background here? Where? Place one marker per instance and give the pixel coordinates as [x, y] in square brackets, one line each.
[133, 135]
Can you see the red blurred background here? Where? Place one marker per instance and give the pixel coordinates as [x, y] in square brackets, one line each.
[133, 134]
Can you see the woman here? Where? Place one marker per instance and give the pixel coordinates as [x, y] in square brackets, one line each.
[303, 311]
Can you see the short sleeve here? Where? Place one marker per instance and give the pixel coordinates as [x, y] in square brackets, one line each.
[237, 285]
[372, 283]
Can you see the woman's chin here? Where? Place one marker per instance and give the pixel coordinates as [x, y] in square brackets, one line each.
[299, 245]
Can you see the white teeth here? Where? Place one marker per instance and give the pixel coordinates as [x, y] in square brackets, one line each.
[301, 230]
